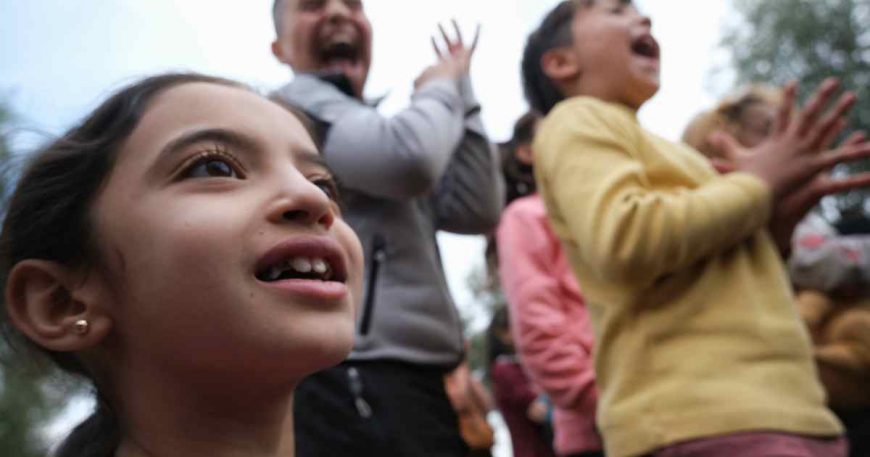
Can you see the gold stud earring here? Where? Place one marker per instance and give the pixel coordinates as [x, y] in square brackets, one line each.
[81, 326]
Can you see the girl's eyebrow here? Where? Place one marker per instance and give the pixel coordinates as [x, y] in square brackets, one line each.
[310, 157]
[217, 135]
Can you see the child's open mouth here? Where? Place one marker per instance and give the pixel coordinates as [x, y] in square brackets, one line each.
[307, 258]
[298, 268]
[646, 46]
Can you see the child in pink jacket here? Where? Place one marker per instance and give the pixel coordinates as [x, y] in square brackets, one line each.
[549, 318]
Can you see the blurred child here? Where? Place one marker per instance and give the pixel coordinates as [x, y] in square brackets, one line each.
[829, 271]
[699, 351]
[471, 402]
[183, 249]
[550, 320]
[522, 408]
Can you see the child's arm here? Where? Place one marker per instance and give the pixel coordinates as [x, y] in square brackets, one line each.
[624, 226]
[545, 336]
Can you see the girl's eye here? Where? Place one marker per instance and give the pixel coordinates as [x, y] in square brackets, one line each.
[329, 187]
[212, 167]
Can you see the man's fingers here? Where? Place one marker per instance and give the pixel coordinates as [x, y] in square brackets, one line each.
[722, 166]
[727, 144]
[833, 122]
[783, 115]
[475, 39]
[436, 49]
[459, 39]
[808, 116]
[444, 36]
[855, 138]
[828, 186]
[830, 134]
[843, 154]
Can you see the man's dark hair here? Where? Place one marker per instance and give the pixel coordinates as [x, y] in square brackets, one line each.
[554, 31]
[277, 12]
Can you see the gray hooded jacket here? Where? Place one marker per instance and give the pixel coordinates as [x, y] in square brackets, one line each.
[430, 167]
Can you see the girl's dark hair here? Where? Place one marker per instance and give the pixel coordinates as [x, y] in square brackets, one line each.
[48, 219]
[495, 347]
[554, 31]
[519, 181]
[519, 177]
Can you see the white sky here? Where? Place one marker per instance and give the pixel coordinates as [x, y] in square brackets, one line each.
[59, 58]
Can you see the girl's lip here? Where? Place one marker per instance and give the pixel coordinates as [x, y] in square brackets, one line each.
[318, 290]
[308, 247]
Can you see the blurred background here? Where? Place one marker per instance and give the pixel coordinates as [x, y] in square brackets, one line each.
[59, 58]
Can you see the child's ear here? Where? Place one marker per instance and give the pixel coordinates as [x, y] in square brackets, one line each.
[560, 64]
[54, 307]
[524, 154]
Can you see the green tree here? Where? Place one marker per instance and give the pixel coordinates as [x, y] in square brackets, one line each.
[808, 41]
[488, 297]
[30, 393]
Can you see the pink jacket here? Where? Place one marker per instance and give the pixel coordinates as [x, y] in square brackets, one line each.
[549, 321]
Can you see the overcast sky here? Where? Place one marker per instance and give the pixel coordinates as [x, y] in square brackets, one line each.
[59, 58]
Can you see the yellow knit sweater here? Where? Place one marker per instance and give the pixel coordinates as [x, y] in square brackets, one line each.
[697, 334]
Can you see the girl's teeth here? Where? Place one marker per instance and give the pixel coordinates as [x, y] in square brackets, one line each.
[301, 265]
[319, 266]
[274, 273]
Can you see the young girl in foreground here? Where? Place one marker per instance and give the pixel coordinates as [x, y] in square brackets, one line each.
[183, 248]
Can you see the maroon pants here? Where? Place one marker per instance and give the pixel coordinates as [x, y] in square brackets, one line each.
[757, 445]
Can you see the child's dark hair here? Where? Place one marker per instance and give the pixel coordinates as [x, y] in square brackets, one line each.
[519, 177]
[554, 31]
[48, 219]
[495, 346]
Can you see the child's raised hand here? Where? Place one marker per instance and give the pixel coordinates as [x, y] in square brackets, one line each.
[790, 157]
[792, 208]
[791, 160]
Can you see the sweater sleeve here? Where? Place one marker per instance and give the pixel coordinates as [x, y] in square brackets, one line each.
[468, 198]
[402, 156]
[623, 222]
[510, 385]
[545, 336]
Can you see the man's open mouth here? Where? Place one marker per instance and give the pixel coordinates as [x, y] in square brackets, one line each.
[646, 46]
[340, 51]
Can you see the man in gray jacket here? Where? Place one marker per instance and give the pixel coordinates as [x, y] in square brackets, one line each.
[430, 167]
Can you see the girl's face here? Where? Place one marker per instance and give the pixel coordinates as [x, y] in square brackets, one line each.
[223, 249]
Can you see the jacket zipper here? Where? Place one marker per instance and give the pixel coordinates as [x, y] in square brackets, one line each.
[379, 254]
[356, 389]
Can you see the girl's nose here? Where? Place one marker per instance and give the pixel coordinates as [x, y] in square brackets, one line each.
[303, 203]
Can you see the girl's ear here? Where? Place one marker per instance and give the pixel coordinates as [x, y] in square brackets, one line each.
[55, 307]
[561, 65]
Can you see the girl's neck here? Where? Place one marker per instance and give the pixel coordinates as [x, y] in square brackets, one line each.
[162, 420]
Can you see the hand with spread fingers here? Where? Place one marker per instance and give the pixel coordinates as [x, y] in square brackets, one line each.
[454, 57]
[456, 48]
[794, 207]
[796, 159]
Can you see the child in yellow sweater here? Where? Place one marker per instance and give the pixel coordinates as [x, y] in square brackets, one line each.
[700, 351]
